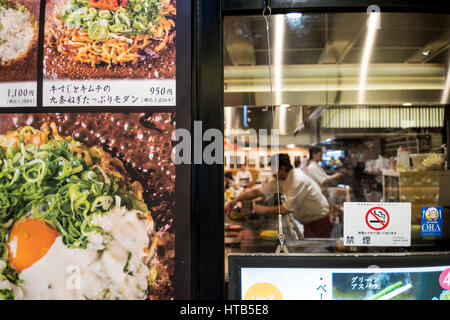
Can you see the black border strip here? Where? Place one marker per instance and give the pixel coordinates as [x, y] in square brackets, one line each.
[207, 200]
[40, 55]
[182, 222]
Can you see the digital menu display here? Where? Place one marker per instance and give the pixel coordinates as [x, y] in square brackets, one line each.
[409, 283]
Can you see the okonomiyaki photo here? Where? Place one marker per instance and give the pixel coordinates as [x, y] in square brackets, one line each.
[18, 40]
[79, 219]
[110, 39]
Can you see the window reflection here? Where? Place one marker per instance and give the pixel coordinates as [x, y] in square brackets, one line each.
[371, 95]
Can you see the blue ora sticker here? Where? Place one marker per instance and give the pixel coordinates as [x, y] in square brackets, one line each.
[431, 221]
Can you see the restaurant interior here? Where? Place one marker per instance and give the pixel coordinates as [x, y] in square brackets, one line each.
[373, 94]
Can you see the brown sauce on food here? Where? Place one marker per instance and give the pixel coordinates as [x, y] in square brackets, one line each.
[57, 66]
[142, 141]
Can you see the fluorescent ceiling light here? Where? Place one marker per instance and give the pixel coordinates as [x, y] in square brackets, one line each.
[407, 104]
[372, 24]
[228, 117]
[294, 15]
[283, 118]
[445, 93]
[278, 57]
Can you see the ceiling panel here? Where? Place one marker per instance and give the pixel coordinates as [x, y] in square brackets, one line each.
[322, 58]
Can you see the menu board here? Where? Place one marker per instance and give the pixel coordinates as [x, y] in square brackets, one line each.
[94, 53]
[19, 21]
[92, 49]
[88, 198]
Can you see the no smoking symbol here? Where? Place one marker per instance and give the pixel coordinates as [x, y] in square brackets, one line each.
[377, 218]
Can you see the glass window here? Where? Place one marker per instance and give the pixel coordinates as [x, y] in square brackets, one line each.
[370, 91]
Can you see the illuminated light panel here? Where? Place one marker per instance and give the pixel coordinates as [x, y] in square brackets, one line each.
[294, 15]
[367, 53]
[446, 91]
[278, 58]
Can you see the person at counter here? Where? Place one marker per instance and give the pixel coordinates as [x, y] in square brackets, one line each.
[315, 171]
[303, 198]
[243, 177]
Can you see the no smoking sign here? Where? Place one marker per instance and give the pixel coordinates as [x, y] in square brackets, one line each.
[377, 224]
[377, 218]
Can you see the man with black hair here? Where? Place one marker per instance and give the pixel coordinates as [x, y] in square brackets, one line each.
[315, 171]
[303, 198]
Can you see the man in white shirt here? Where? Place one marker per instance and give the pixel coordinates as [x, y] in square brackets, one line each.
[315, 171]
[243, 177]
[303, 198]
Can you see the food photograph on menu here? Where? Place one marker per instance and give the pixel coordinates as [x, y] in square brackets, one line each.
[86, 206]
[19, 29]
[110, 39]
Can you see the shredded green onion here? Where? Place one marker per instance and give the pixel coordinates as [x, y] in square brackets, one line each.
[54, 183]
[4, 251]
[138, 17]
[51, 183]
[6, 294]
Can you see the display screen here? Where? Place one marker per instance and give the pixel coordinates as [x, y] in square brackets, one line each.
[343, 277]
[424, 283]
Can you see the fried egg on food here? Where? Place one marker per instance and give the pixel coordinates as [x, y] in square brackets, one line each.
[72, 223]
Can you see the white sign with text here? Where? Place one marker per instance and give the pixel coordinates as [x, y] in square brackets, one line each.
[18, 94]
[377, 224]
[60, 93]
